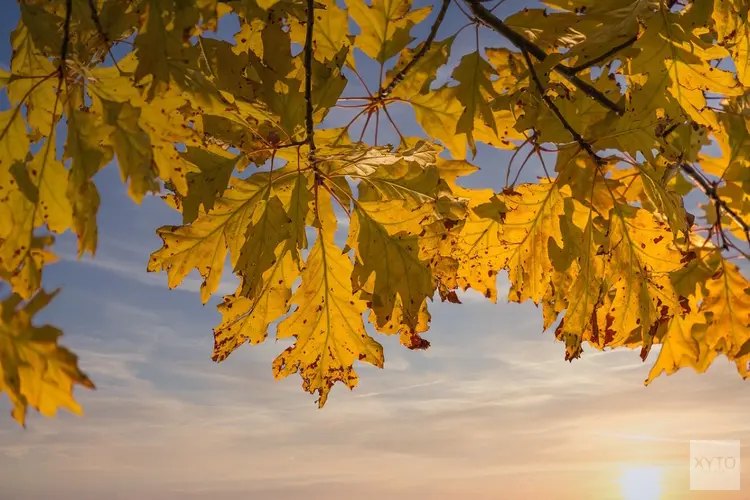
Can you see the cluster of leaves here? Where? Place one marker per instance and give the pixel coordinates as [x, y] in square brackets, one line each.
[627, 93]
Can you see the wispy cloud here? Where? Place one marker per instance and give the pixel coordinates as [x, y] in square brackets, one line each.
[166, 422]
[129, 267]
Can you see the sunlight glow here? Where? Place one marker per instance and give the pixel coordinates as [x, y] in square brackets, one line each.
[640, 483]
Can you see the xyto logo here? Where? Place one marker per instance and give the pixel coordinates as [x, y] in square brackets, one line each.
[715, 465]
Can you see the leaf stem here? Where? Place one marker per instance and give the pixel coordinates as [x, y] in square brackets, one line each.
[309, 125]
[709, 189]
[513, 158]
[100, 29]
[395, 127]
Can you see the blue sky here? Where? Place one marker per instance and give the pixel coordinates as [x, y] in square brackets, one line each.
[491, 410]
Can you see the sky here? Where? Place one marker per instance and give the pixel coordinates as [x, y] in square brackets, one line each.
[490, 411]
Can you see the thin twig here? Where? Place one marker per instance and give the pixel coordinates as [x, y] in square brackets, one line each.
[722, 237]
[361, 80]
[346, 210]
[309, 125]
[520, 169]
[538, 151]
[490, 20]
[498, 4]
[345, 129]
[468, 16]
[364, 127]
[377, 124]
[400, 135]
[513, 158]
[606, 55]
[399, 77]
[205, 59]
[100, 29]
[553, 107]
[352, 105]
[66, 37]
[710, 191]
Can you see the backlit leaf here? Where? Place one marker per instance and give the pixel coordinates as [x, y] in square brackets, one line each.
[385, 26]
[36, 371]
[326, 325]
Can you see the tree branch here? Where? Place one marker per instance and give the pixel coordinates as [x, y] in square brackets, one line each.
[309, 125]
[710, 191]
[399, 77]
[490, 20]
[65, 40]
[553, 107]
[614, 50]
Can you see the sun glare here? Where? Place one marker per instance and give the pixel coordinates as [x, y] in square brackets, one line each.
[640, 483]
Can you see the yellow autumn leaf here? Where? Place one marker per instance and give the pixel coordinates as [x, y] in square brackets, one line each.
[27, 279]
[475, 91]
[578, 277]
[683, 345]
[667, 202]
[385, 26]
[165, 126]
[14, 143]
[111, 85]
[481, 250]
[4, 78]
[49, 179]
[438, 112]
[530, 226]
[326, 325]
[246, 319]
[204, 243]
[423, 72]
[384, 236]
[89, 150]
[248, 39]
[268, 266]
[638, 293]
[731, 18]
[36, 371]
[410, 176]
[330, 31]
[267, 230]
[132, 146]
[675, 59]
[33, 195]
[215, 167]
[157, 42]
[726, 305]
[34, 82]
